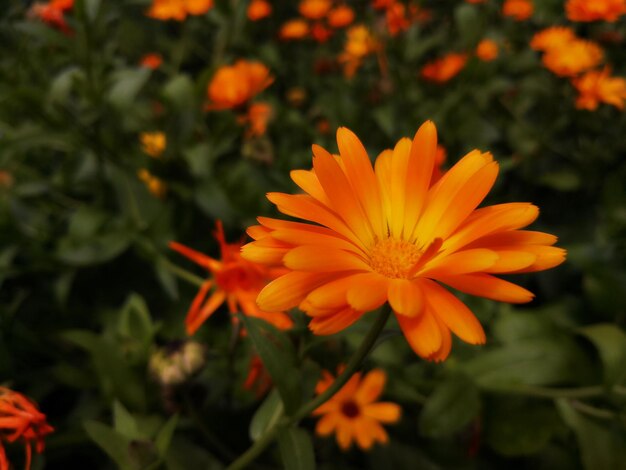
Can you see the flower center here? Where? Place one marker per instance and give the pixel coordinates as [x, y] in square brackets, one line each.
[394, 258]
[350, 409]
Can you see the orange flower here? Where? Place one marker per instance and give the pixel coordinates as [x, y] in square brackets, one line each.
[573, 58]
[294, 29]
[320, 32]
[259, 9]
[52, 13]
[20, 419]
[236, 281]
[258, 379]
[440, 158]
[153, 143]
[63, 5]
[233, 86]
[396, 18]
[314, 9]
[386, 234]
[443, 69]
[198, 7]
[595, 10]
[257, 118]
[151, 61]
[178, 9]
[487, 50]
[382, 4]
[353, 413]
[599, 87]
[155, 185]
[519, 10]
[340, 17]
[359, 43]
[552, 37]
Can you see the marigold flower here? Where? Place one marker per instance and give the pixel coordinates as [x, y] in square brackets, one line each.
[178, 9]
[259, 9]
[354, 413]
[359, 43]
[387, 234]
[552, 38]
[487, 50]
[597, 87]
[382, 4]
[340, 16]
[396, 19]
[573, 58]
[294, 29]
[257, 117]
[198, 7]
[235, 280]
[321, 33]
[155, 185]
[314, 9]
[258, 379]
[52, 13]
[153, 143]
[151, 61]
[21, 420]
[519, 10]
[233, 86]
[595, 10]
[445, 68]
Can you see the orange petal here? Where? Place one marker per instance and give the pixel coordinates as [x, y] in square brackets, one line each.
[331, 295]
[546, 257]
[259, 252]
[382, 170]
[371, 386]
[384, 412]
[405, 297]
[422, 333]
[511, 261]
[446, 344]
[307, 181]
[397, 192]
[195, 320]
[309, 237]
[331, 324]
[289, 290]
[368, 292]
[344, 434]
[321, 258]
[515, 237]
[195, 256]
[257, 232]
[326, 425]
[461, 262]
[490, 287]
[363, 435]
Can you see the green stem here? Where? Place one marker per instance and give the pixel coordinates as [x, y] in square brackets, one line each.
[550, 393]
[305, 410]
[183, 273]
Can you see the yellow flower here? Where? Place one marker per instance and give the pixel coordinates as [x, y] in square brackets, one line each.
[153, 143]
[387, 234]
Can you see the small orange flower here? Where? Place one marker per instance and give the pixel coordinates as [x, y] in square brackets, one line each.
[233, 86]
[595, 10]
[320, 33]
[198, 7]
[153, 143]
[354, 413]
[151, 61]
[236, 281]
[597, 87]
[155, 185]
[257, 117]
[258, 379]
[178, 9]
[340, 17]
[359, 43]
[573, 58]
[294, 29]
[519, 10]
[53, 13]
[21, 420]
[396, 18]
[314, 9]
[259, 9]
[445, 68]
[387, 234]
[382, 4]
[487, 50]
[552, 37]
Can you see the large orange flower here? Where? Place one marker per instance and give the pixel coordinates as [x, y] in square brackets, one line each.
[387, 234]
[552, 37]
[573, 57]
[595, 10]
[445, 68]
[353, 412]
[21, 420]
[487, 50]
[235, 280]
[598, 86]
[235, 85]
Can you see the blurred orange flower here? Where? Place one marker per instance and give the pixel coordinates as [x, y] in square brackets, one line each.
[257, 117]
[52, 13]
[573, 58]
[198, 7]
[340, 16]
[232, 86]
[155, 185]
[178, 9]
[353, 413]
[387, 234]
[382, 4]
[314, 9]
[487, 50]
[320, 33]
[294, 29]
[153, 143]
[259, 9]
[396, 18]
[595, 10]
[445, 68]
[151, 61]
[258, 379]
[21, 420]
[597, 87]
[552, 37]
[359, 43]
[235, 280]
[519, 10]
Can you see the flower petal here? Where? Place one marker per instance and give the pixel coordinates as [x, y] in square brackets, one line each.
[289, 290]
[321, 258]
[368, 292]
[384, 412]
[195, 320]
[422, 333]
[371, 386]
[489, 287]
[461, 262]
[405, 297]
[331, 324]
[327, 424]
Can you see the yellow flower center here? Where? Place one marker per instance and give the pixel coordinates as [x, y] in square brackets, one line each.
[394, 258]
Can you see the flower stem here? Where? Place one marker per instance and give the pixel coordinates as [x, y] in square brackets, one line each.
[305, 410]
[183, 273]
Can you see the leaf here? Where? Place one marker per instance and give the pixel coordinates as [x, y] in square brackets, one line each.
[164, 437]
[266, 415]
[180, 92]
[135, 321]
[95, 250]
[296, 449]
[124, 423]
[278, 357]
[469, 24]
[127, 84]
[610, 341]
[452, 405]
[114, 444]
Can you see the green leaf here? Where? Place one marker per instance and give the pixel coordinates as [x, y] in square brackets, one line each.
[268, 414]
[91, 9]
[296, 449]
[164, 437]
[95, 250]
[279, 358]
[469, 24]
[111, 442]
[135, 321]
[452, 405]
[610, 341]
[124, 423]
[180, 92]
[127, 84]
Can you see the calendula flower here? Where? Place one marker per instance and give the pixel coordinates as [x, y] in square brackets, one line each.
[487, 50]
[153, 143]
[259, 9]
[573, 58]
[595, 10]
[151, 61]
[314, 9]
[387, 234]
[340, 16]
[320, 32]
[359, 44]
[552, 38]
[294, 29]
[441, 155]
[598, 86]
[397, 19]
[258, 379]
[382, 4]
[519, 10]
[21, 420]
[233, 280]
[198, 7]
[53, 13]
[353, 413]
[256, 119]
[233, 86]
[178, 9]
[445, 68]
[155, 185]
